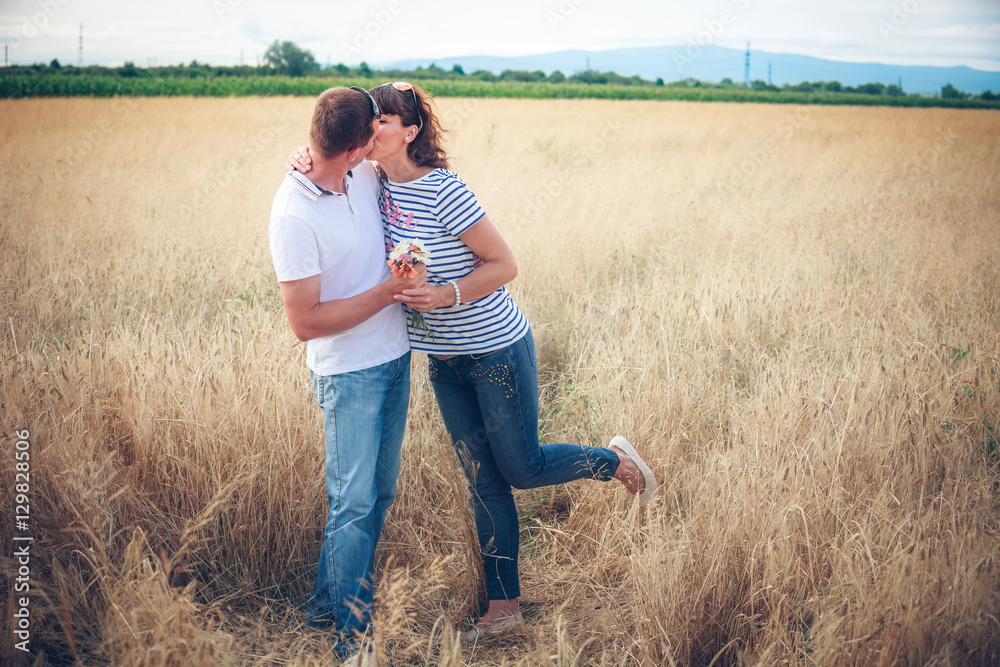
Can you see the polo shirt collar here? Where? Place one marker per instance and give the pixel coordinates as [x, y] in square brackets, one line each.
[313, 191]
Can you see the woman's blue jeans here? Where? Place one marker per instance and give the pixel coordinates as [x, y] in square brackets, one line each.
[489, 403]
[364, 414]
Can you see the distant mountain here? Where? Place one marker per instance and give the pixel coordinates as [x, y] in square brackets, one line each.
[714, 63]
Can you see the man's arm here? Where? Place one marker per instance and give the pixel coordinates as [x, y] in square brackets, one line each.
[311, 318]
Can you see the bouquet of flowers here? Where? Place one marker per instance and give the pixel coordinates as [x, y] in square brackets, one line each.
[402, 262]
[405, 256]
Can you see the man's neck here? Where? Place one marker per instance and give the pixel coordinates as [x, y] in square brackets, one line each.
[329, 174]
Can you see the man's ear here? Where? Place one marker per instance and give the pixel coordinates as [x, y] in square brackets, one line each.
[352, 155]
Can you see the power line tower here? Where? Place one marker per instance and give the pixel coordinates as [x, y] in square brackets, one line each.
[80, 57]
[746, 68]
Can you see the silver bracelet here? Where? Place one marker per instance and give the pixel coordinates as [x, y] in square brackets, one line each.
[458, 294]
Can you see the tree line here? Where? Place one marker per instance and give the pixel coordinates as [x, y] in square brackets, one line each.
[288, 59]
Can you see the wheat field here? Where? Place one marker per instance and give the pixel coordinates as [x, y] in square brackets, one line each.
[794, 311]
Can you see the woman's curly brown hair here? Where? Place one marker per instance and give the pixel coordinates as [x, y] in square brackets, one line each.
[425, 150]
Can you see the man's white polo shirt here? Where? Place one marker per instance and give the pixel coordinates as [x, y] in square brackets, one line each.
[340, 238]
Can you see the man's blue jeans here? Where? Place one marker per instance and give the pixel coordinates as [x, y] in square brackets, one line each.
[364, 414]
[489, 403]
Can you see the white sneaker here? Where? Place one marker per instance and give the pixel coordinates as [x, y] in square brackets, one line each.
[504, 624]
[359, 660]
[647, 475]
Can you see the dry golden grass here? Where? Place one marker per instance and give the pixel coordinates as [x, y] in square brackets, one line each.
[795, 311]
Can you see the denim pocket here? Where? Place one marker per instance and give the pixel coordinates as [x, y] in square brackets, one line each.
[322, 389]
[487, 355]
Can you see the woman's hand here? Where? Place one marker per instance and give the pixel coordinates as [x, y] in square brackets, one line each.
[300, 160]
[427, 298]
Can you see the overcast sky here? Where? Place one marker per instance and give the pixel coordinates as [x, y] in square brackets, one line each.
[907, 32]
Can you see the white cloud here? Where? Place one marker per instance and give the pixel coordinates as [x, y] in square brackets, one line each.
[957, 32]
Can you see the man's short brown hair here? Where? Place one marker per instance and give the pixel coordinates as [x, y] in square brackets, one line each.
[342, 121]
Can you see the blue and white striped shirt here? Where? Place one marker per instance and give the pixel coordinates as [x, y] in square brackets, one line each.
[436, 209]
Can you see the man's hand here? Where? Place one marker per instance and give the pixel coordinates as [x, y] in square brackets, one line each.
[396, 286]
[300, 160]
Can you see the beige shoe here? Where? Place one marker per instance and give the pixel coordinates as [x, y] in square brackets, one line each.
[359, 660]
[494, 628]
[649, 490]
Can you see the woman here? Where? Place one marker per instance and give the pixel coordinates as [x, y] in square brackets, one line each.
[481, 355]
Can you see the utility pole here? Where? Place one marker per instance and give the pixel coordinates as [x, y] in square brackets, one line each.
[80, 63]
[769, 72]
[746, 68]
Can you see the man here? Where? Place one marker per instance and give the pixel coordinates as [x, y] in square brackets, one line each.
[329, 255]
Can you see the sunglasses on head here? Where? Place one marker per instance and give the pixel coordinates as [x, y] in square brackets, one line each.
[375, 110]
[403, 86]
